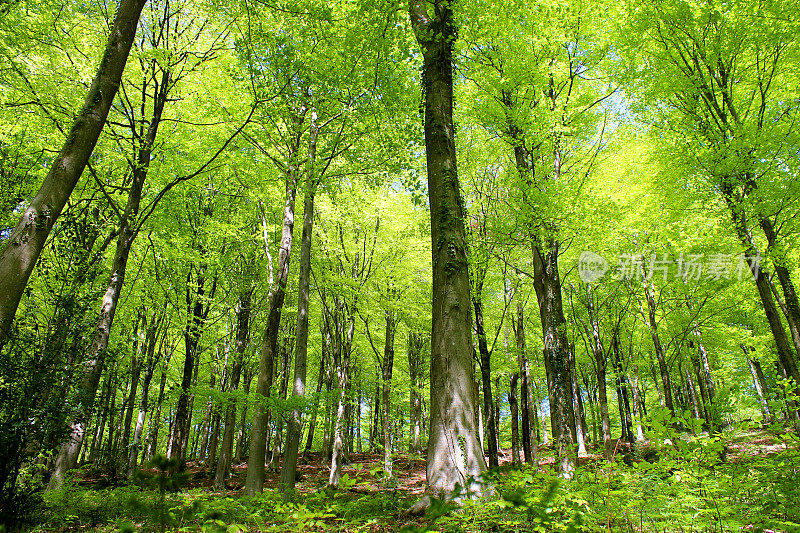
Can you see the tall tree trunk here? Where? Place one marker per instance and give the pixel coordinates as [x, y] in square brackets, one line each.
[580, 419]
[638, 407]
[197, 313]
[530, 445]
[338, 445]
[140, 348]
[761, 278]
[68, 454]
[626, 431]
[455, 455]
[27, 240]
[293, 432]
[261, 415]
[241, 438]
[778, 256]
[152, 438]
[98, 438]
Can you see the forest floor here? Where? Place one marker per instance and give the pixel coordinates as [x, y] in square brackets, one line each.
[752, 483]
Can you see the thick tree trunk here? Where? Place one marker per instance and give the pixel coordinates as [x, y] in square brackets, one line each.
[547, 283]
[455, 455]
[25, 244]
[293, 432]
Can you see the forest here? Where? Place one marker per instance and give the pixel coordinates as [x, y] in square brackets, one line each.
[372, 266]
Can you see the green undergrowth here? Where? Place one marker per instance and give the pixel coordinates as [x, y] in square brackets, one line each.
[692, 483]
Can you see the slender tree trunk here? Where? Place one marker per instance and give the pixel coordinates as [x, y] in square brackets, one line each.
[152, 439]
[242, 335]
[388, 364]
[659, 351]
[778, 256]
[150, 340]
[27, 240]
[68, 454]
[760, 385]
[98, 438]
[313, 421]
[261, 415]
[293, 433]
[761, 278]
[580, 419]
[139, 351]
[530, 444]
[486, 372]
[626, 431]
[191, 336]
[241, 438]
[638, 403]
[415, 347]
[512, 404]
[339, 425]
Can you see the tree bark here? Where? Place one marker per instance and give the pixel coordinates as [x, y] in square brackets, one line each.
[293, 432]
[761, 278]
[27, 240]
[258, 440]
[455, 455]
